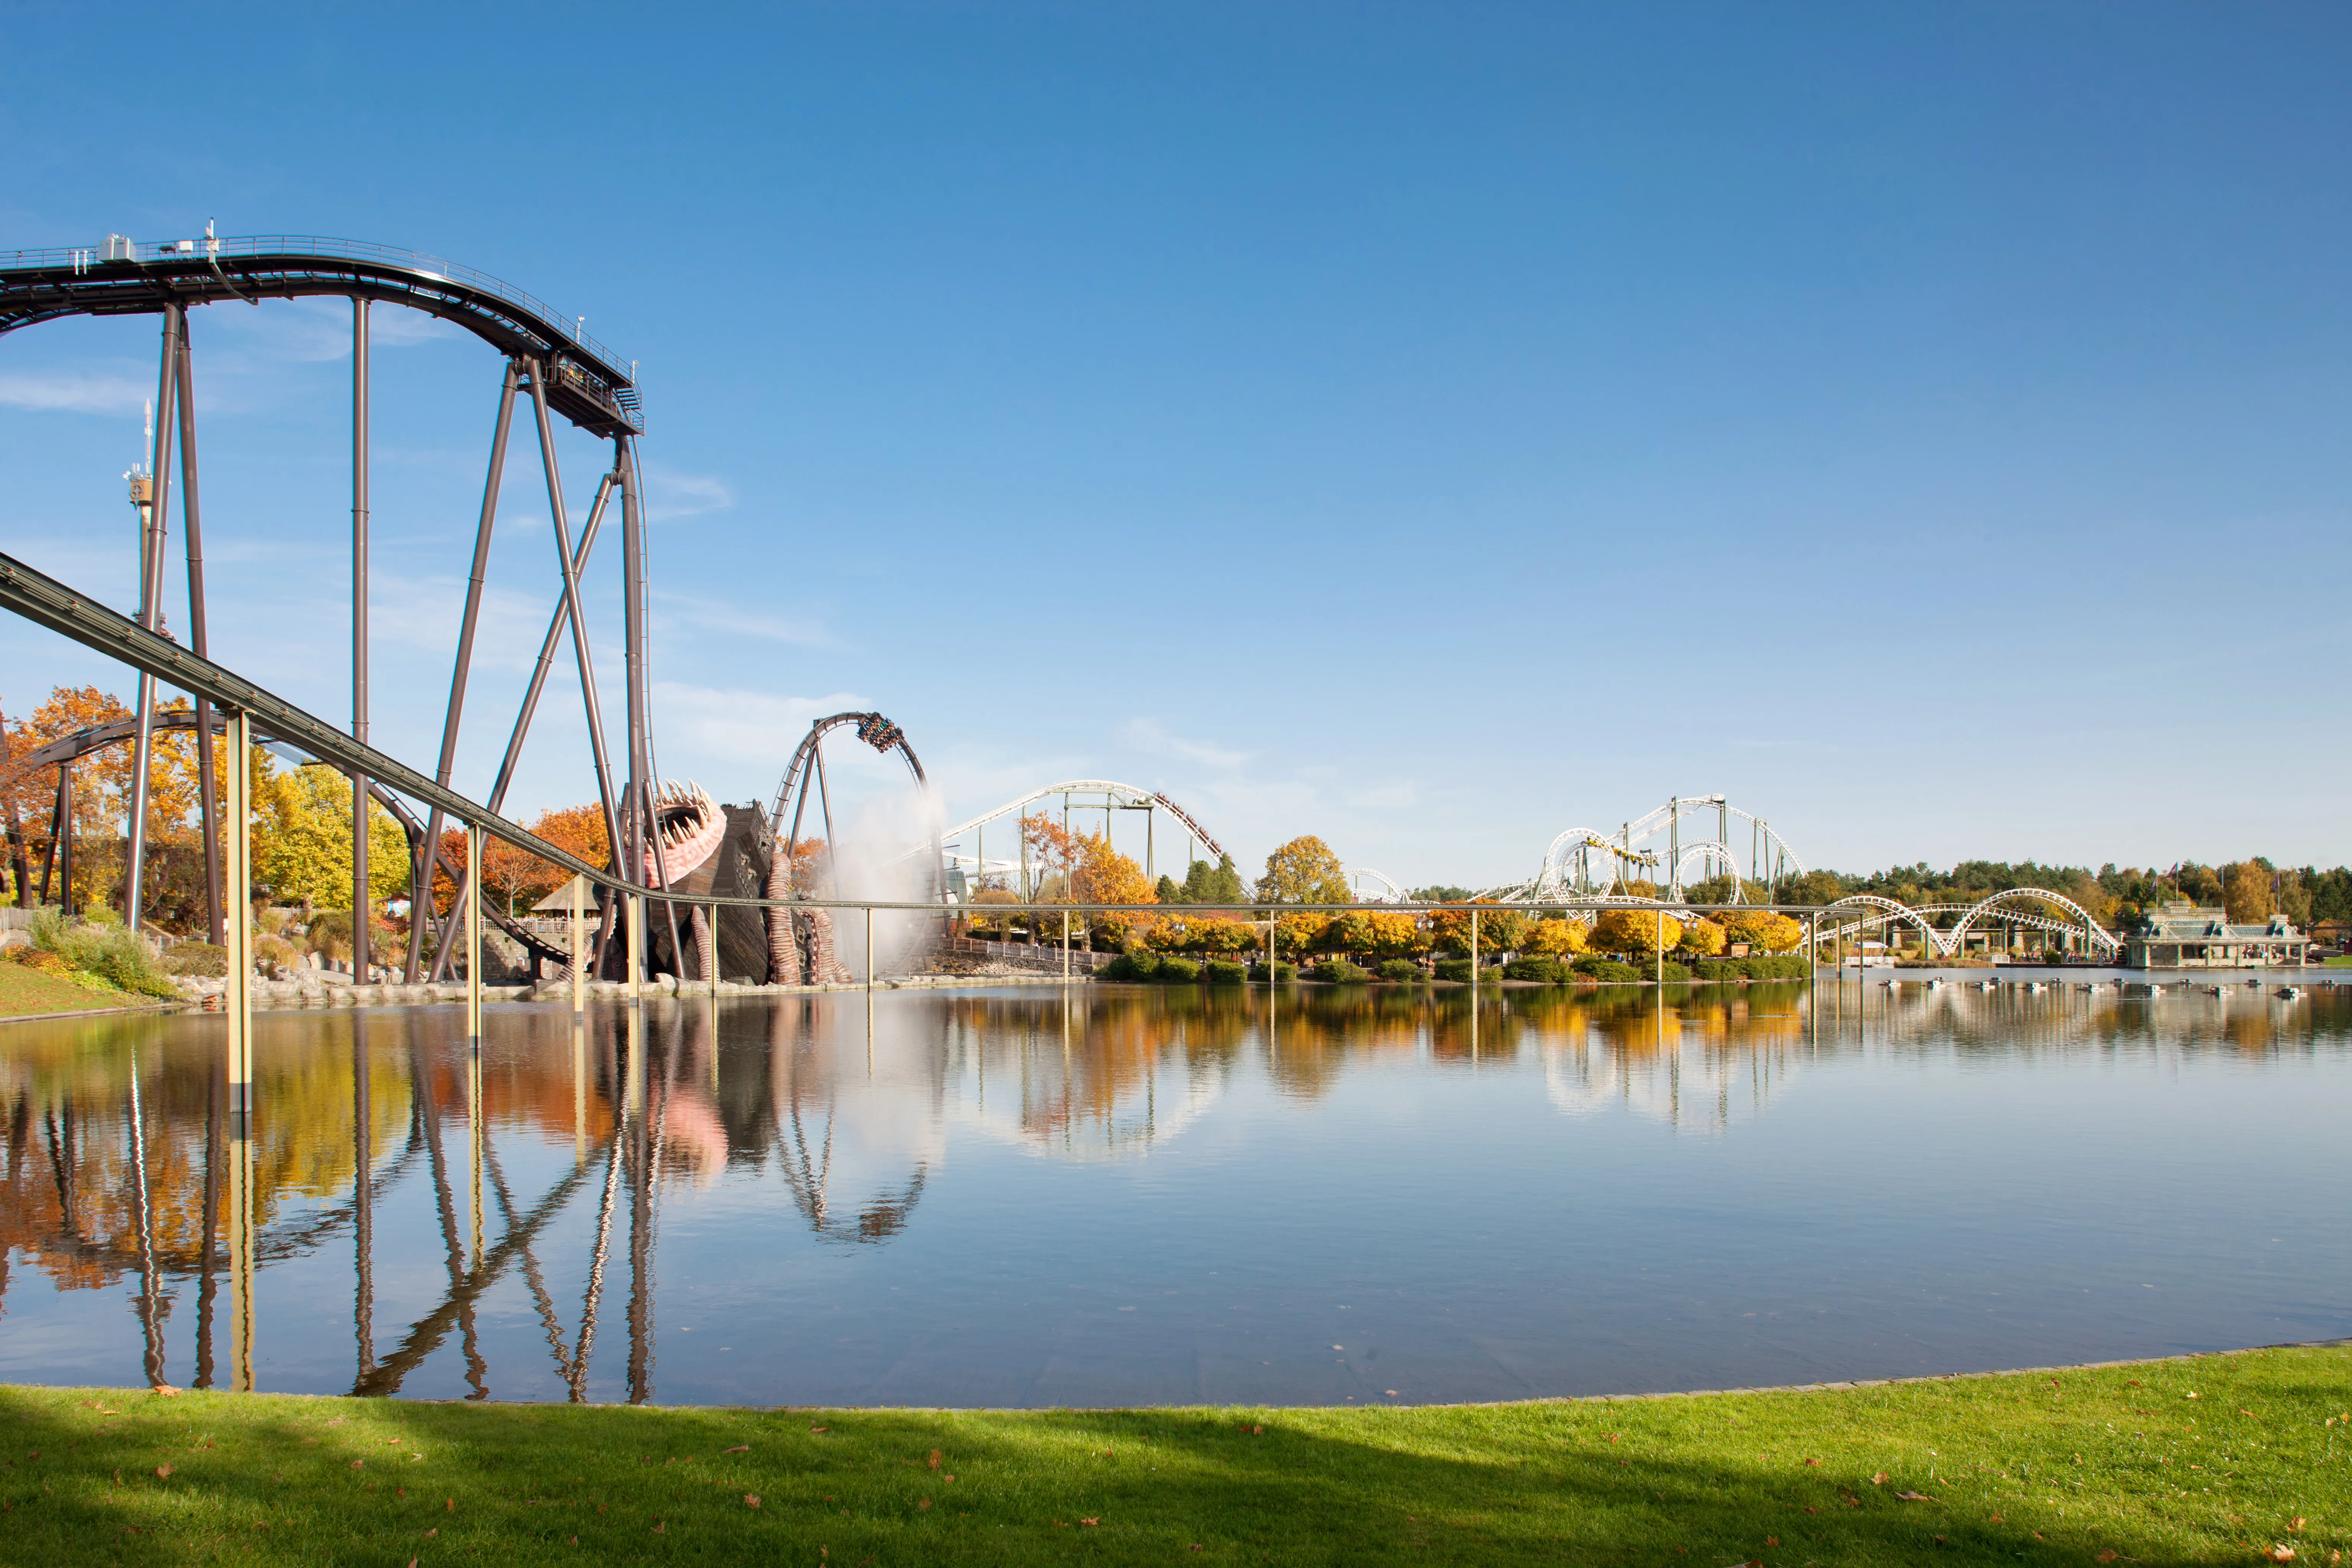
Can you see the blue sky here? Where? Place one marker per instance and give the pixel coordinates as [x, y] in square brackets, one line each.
[1428, 426]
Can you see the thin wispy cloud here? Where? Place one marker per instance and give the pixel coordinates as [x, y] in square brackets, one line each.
[671, 495]
[704, 727]
[75, 392]
[1152, 736]
[694, 612]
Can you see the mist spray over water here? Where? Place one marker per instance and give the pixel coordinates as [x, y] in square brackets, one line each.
[884, 854]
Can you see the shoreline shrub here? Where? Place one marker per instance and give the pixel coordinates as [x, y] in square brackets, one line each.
[1399, 969]
[1607, 969]
[1223, 971]
[1454, 969]
[1176, 971]
[1545, 971]
[1339, 972]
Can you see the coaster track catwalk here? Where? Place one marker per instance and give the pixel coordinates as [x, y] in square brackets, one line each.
[544, 356]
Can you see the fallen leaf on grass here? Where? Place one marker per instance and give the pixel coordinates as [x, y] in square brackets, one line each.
[359, 1463]
[432, 1532]
[2245, 1413]
[935, 1458]
[1914, 1497]
[1771, 1541]
[1257, 1431]
[950, 1479]
[925, 1504]
[1812, 1461]
[740, 1448]
[1090, 1521]
[750, 1500]
[2295, 1525]
[2281, 1553]
[1879, 1479]
[662, 1528]
[167, 1391]
[1996, 1519]
[451, 1504]
[162, 1472]
[819, 1428]
[2109, 1554]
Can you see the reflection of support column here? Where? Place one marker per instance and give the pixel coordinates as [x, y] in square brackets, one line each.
[579, 1077]
[477, 1133]
[150, 1319]
[633, 1095]
[208, 1229]
[585, 1341]
[240, 1251]
[363, 1197]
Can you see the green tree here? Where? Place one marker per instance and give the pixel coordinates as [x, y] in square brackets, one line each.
[1167, 892]
[1303, 871]
[1440, 895]
[1217, 884]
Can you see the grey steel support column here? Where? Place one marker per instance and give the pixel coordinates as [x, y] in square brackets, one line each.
[362, 905]
[571, 608]
[420, 899]
[62, 841]
[192, 533]
[151, 607]
[632, 574]
[556, 623]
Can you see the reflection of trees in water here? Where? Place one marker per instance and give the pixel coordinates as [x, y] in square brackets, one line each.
[69, 1196]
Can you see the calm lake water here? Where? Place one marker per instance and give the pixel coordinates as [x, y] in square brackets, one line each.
[1131, 1195]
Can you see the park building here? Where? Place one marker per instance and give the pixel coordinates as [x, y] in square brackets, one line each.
[2183, 935]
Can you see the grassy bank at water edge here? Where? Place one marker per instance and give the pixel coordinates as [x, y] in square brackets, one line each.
[2231, 1459]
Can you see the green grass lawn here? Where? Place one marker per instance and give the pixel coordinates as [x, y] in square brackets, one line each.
[27, 991]
[2211, 1460]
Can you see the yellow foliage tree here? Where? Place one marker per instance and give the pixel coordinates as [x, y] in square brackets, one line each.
[1704, 937]
[1636, 932]
[1761, 928]
[1303, 871]
[1558, 938]
[1379, 933]
[2246, 892]
[1500, 929]
[302, 841]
